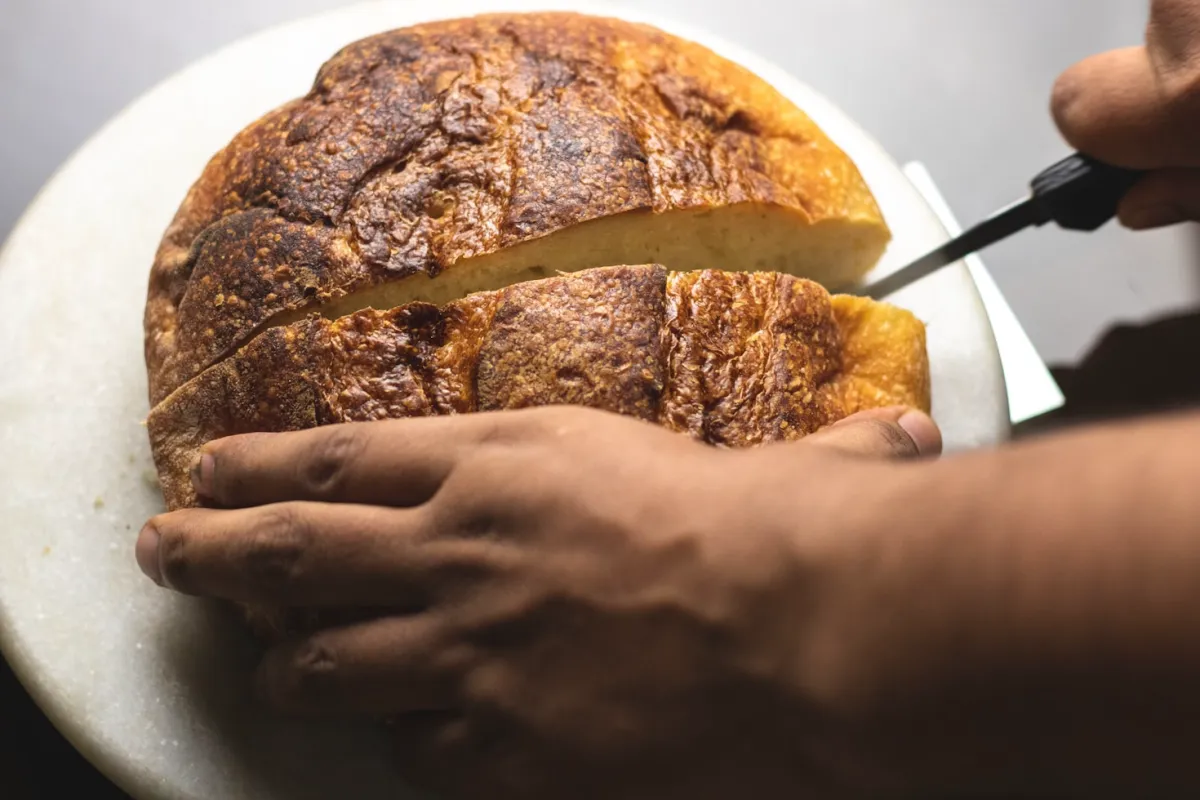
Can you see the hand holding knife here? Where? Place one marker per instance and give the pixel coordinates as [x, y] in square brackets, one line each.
[1078, 193]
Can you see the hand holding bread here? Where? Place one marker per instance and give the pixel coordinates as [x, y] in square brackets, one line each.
[563, 602]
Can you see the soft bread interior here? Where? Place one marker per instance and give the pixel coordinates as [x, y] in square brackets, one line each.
[738, 238]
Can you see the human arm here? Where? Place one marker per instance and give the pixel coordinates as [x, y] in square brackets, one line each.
[1028, 620]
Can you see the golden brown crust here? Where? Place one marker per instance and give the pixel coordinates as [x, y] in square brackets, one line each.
[265, 388]
[752, 356]
[593, 339]
[734, 359]
[421, 147]
[884, 356]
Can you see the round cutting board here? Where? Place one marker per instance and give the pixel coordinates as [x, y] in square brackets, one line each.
[154, 688]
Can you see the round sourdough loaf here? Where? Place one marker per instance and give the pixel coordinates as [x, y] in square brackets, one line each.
[433, 229]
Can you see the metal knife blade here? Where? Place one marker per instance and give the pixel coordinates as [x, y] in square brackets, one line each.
[1003, 224]
[1078, 193]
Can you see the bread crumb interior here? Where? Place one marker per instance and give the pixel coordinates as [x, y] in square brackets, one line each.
[740, 237]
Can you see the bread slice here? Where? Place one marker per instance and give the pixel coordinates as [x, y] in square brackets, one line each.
[467, 155]
[733, 359]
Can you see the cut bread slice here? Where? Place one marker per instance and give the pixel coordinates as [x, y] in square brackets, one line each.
[733, 359]
[471, 154]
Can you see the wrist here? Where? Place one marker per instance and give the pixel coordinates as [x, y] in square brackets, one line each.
[871, 656]
[842, 643]
[1007, 621]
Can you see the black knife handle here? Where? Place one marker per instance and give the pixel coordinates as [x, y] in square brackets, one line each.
[1080, 193]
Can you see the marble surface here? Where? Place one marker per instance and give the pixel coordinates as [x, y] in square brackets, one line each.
[153, 688]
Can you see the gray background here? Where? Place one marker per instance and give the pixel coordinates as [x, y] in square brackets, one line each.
[962, 85]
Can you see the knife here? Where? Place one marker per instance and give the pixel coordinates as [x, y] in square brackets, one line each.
[1078, 193]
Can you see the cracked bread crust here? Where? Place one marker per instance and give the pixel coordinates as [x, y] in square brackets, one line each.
[732, 359]
[423, 147]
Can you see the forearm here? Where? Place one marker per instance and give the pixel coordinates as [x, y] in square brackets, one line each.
[1030, 618]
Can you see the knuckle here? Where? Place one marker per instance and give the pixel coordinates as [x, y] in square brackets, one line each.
[488, 685]
[469, 484]
[1064, 99]
[305, 675]
[495, 429]
[473, 521]
[542, 423]
[323, 475]
[276, 549]
[230, 458]
[565, 420]
[173, 555]
[487, 499]
[464, 514]
[454, 660]
[1079, 111]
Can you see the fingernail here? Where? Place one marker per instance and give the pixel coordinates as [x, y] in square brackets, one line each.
[147, 553]
[202, 473]
[924, 432]
[1145, 217]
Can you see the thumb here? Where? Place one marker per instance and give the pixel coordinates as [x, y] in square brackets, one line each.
[1139, 107]
[896, 432]
[1120, 107]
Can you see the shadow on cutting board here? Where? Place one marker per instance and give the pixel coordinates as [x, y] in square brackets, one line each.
[1133, 370]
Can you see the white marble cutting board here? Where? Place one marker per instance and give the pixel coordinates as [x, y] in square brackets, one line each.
[154, 688]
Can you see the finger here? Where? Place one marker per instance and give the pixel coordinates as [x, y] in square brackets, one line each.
[298, 554]
[392, 462]
[896, 432]
[432, 749]
[1162, 198]
[393, 665]
[1118, 108]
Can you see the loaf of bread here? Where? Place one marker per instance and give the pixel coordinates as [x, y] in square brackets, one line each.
[733, 359]
[461, 156]
[433, 229]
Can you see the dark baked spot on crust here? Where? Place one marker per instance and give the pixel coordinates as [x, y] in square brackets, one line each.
[379, 365]
[554, 74]
[572, 164]
[346, 69]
